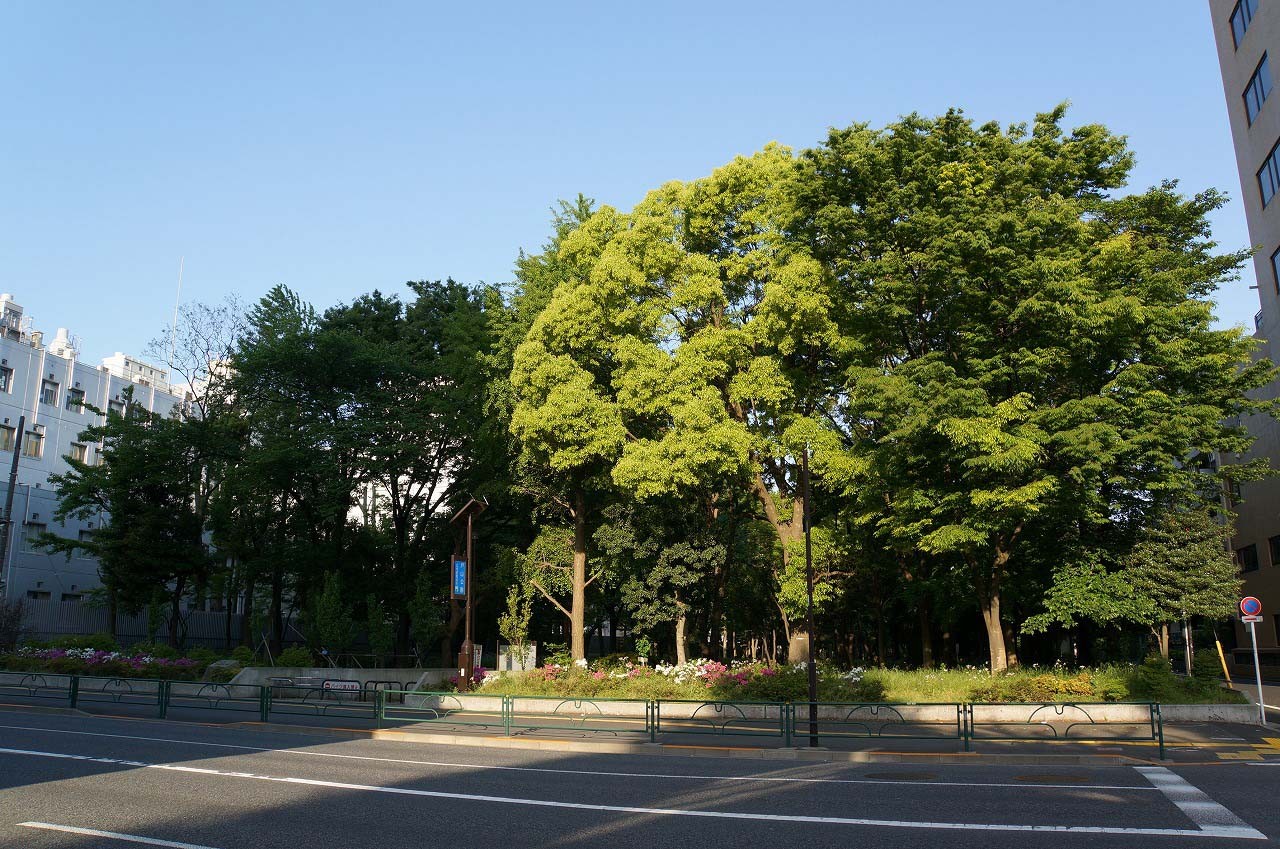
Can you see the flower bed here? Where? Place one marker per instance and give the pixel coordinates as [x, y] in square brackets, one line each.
[708, 679]
[112, 664]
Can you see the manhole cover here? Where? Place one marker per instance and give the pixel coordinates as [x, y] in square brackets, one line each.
[1053, 779]
[902, 776]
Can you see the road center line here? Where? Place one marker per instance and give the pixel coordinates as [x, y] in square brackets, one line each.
[112, 835]
[1242, 831]
[599, 773]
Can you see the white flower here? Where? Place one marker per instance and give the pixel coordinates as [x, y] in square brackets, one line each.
[581, 663]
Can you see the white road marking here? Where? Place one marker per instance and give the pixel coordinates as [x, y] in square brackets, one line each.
[1236, 832]
[1207, 814]
[481, 767]
[112, 835]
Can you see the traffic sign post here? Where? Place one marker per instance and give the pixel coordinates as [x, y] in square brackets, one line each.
[1251, 615]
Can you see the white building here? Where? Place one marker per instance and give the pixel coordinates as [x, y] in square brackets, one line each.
[46, 384]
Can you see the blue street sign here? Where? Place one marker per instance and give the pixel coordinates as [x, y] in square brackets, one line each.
[459, 577]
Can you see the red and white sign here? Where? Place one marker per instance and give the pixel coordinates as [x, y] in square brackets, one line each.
[1248, 619]
[1250, 606]
[337, 684]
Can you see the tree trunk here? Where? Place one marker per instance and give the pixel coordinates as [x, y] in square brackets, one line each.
[926, 636]
[1010, 644]
[995, 633]
[175, 612]
[798, 646]
[578, 609]
[1162, 637]
[112, 609]
[277, 611]
[247, 637]
[682, 637]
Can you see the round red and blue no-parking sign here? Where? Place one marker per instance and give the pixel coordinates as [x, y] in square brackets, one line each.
[1250, 606]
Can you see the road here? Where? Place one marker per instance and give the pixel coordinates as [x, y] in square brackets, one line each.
[78, 782]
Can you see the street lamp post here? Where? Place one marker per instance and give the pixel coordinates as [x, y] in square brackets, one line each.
[466, 658]
[808, 575]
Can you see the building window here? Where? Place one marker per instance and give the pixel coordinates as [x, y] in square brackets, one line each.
[31, 532]
[37, 595]
[78, 452]
[33, 445]
[49, 393]
[1241, 17]
[72, 596]
[1247, 557]
[1255, 94]
[6, 379]
[1274, 545]
[116, 407]
[7, 435]
[75, 400]
[1269, 175]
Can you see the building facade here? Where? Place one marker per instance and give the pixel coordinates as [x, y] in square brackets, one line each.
[46, 388]
[1245, 32]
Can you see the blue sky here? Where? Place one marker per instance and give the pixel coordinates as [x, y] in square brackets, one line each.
[338, 149]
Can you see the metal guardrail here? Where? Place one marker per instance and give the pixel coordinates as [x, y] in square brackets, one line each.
[580, 716]
[441, 708]
[882, 720]
[724, 718]
[1064, 722]
[509, 715]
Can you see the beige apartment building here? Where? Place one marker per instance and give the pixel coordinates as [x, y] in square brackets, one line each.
[1245, 32]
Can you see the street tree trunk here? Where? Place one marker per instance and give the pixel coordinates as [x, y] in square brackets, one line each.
[926, 636]
[578, 608]
[682, 636]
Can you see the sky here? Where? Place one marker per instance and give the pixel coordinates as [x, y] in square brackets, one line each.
[339, 148]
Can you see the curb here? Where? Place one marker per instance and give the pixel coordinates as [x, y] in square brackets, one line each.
[46, 709]
[677, 750]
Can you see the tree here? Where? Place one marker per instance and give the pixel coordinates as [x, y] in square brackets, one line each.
[145, 495]
[333, 629]
[568, 426]
[1031, 348]
[381, 629]
[513, 624]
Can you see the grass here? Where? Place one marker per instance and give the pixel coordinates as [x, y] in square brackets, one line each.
[1151, 681]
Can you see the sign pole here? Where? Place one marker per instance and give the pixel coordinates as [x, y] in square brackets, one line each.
[1257, 671]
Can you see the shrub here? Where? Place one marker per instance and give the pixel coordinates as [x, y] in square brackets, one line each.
[243, 655]
[1206, 669]
[203, 657]
[97, 642]
[294, 656]
[223, 674]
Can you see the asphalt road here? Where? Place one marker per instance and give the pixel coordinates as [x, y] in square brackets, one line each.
[79, 782]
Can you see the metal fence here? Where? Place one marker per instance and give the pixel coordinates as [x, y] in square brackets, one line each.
[784, 722]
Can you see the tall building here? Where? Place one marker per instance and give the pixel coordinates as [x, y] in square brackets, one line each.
[1245, 32]
[48, 387]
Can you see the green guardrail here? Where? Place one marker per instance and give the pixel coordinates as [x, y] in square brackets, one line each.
[785, 721]
[724, 718]
[580, 715]
[1063, 722]
[442, 708]
[881, 720]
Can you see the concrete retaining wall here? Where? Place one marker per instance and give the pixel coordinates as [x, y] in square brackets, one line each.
[413, 679]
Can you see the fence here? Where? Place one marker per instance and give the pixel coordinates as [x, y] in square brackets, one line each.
[44, 619]
[967, 724]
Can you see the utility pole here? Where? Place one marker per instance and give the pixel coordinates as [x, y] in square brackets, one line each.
[8, 503]
[808, 575]
[466, 658]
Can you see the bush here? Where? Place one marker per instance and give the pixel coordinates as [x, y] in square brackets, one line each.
[203, 657]
[244, 656]
[223, 674]
[295, 656]
[1206, 669]
[97, 642]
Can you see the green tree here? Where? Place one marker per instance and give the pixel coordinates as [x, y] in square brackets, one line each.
[332, 627]
[146, 494]
[1031, 348]
[381, 628]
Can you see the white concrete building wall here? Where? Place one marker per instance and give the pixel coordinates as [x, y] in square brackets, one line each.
[31, 366]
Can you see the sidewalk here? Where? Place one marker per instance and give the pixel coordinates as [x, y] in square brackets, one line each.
[1270, 696]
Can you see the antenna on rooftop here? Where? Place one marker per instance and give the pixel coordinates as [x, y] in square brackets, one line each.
[173, 331]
